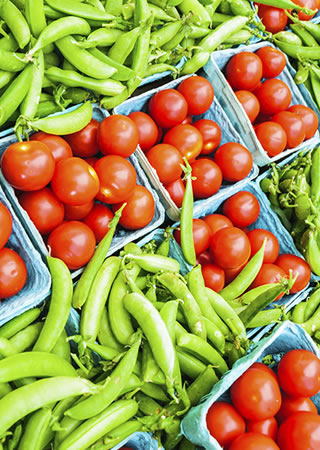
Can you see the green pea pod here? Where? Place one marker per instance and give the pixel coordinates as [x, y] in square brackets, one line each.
[189, 364]
[62, 347]
[195, 63]
[66, 427]
[107, 353]
[105, 335]
[19, 323]
[169, 315]
[312, 252]
[252, 294]
[5, 388]
[298, 52]
[150, 369]
[304, 35]
[147, 405]
[160, 14]
[312, 304]
[312, 325]
[302, 74]
[186, 220]
[215, 336]
[33, 432]
[11, 61]
[155, 263]
[37, 22]
[202, 385]
[121, 433]
[315, 84]
[124, 45]
[6, 78]
[264, 318]
[46, 108]
[6, 348]
[102, 37]
[315, 179]
[287, 38]
[201, 15]
[9, 43]
[76, 8]
[25, 338]
[222, 32]
[303, 207]
[123, 73]
[16, 22]
[29, 105]
[298, 313]
[160, 37]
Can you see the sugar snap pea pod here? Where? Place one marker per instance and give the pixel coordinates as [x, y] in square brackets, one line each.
[311, 27]
[5, 388]
[312, 304]
[51, 59]
[241, 8]
[210, 42]
[312, 252]
[315, 84]
[164, 248]
[62, 347]
[186, 445]
[315, 181]
[302, 73]
[9, 43]
[298, 52]
[124, 45]
[11, 61]
[64, 429]
[37, 21]
[46, 108]
[169, 315]
[287, 38]
[186, 220]
[105, 335]
[107, 353]
[264, 318]
[225, 7]
[154, 391]
[202, 385]
[134, 383]
[102, 37]
[304, 35]
[150, 369]
[19, 323]
[251, 295]
[6, 348]
[16, 22]
[25, 338]
[298, 312]
[120, 433]
[160, 14]
[217, 17]
[15, 438]
[215, 335]
[163, 35]
[76, 95]
[123, 72]
[155, 263]
[79, 9]
[312, 325]
[201, 15]
[33, 432]
[240, 37]
[196, 32]
[29, 105]
[147, 405]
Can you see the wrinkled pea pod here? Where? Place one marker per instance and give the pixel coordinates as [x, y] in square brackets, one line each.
[19, 323]
[16, 22]
[32, 437]
[76, 8]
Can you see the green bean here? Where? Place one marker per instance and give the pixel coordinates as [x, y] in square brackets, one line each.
[62, 347]
[312, 304]
[19, 323]
[25, 338]
[37, 22]
[154, 391]
[33, 433]
[76, 8]
[298, 313]
[105, 335]
[150, 369]
[264, 318]
[29, 105]
[103, 37]
[16, 22]
[120, 433]
[202, 385]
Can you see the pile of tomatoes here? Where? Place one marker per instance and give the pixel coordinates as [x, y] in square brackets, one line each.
[271, 410]
[266, 100]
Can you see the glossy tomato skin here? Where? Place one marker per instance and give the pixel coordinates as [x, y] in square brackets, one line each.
[249, 103]
[271, 250]
[147, 128]
[176, 191]
[5, 225]
[187, 139]
[201, 236]
[309, 118]
[13, 273]
[269, 273]
[272, 137]
[310, 4]
[44, 209]
[217, 221]
[28, 166]
[58, 146]
[204, 258]
[244, 70]
[214, 277]
[168, 108]
[77, 212]
[290, 405]
[261, 366]
[117, 135]
[84, 142]
[167, 161]
[234, 160]
[293, 126]
[273, 61]
[198, 92]
[230, 247]
[242, 209]
[98, 220]
[253, 441]
[267, 427]
[73, 242]
[274, 19]
[298, 266]
[301, 431]
[211, 135]
[208, 177]
[274, 96]
[224, 423]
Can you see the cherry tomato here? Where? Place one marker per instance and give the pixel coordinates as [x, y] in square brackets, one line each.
[43, 208]
[310, 4]
[77, 212]
[242, 209]
[73, 242]
[234, 160]
[208, 177]
[204, 258]
[230, 247]
[217, 221]
[244, 70]
[187, 120]
[98, 220]
[167, 161]
[272, 137]
[299, 373]
[58, 146]
[168, 108]
[273, 61]
[211, 135]
[249, 103]
[291, 405]
[139, 210]
[301, 431]
[199, 93]
[253, 441]
[5, 225]
[213, 276]
[293, 126]
[267, 427]
[176, 191]
[117, 179]
[75, 182]
[224, 423]
[84, 142]
[271, 249]
[274, 19]
[261, 366]
[298, 266]
[13, 273]
[309, 118]
[117, 135]
[187, 139]
[274, 96]
[147, 129]
[231, 274]
[27, 166]
[201, 236]
[269, 273]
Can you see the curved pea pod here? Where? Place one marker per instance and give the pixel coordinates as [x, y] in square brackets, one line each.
[102, 37]
[37, 22]
[62, 347]
[298, 313]
[123, 72]
[312, 325]
[252, 294]
[155, 263]
[124, 45]
[210, 42]
[150, 369]
[16, 22]
[241, 8]
[303, 207]
[190, 365]
[298, 52]
[107, 353]
[264, 318]
[37, 424]
[76, 8]
[105, 335]
[215, 335]
[201, 15]
[202, 385]
[315, 179]
[11, 61]
[30, 103]
[120, 433]
[286, 4]
[312, 304]
[18, 323]
[9, 43]
[312, 252]
[163, 35]
[186, 220]
[287, 38]
[25, 338]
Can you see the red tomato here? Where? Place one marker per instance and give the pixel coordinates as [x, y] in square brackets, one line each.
[217, 221]
[58, 146]
[274, 96]
[230, 247]
[204, 258]
[230, 274]
[27, 166]
[74, 181]
[167, 161]
[211, 135]
[234, 160]
[272, 137]
[256, 395]
[117, 135]
[253, 441]
[84, 142]
[13, 273]
[73, 242]
[117, 178]
[91, 160]
[168, 108]
[224, 423]
[208, 177]
[271, 250]
[139, 210]
[249, 103]
[187, 139]
[77, 212]
[43, 208]
[291, 405]
[293, 126]
[244, 70]
[298, 266]
[242, 209]
[176, 191]
[261, 366]
[213, 276]
[301, 431]
[274, 19]
[199, 93]
[201, 236]
[98, 220]
[310, 4]
[273, 61]
[309, 118]
[268, 427]
[299, 373]
[147, 129]
[187, 120]
[5, 225]
[269, 273]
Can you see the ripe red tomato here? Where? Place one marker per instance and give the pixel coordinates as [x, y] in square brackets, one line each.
[309, 118]
[74, 181]
[117, 179]
[256, 395]
[310, 4]
[84, 142]
[176, 191]
[211, 135]
[274, 96]
[27, 166]
[269, 273]
[298, 266]
[77, 212]
[167, 161]
[199, 93]
[58, 146]
[249, 103]
[244, 70]
[204, 258]
[13, 273]
[98, 220]
[201, 236]
[271, 249]
[291, 405]
[253, 441]
[242, 209]
[217, 221]
[147, 129]
[214, 277]
[234, 160]
[43, 208]
[230, 247]
[261, 366]
[268, 427]
[187, 120]
[272, 137]
[117, 135]
[273, 61]
[299, 373]
[293, 126]
[224, 423]
[168, 108]
[5, 225]
[301, 431]
[208, 177]
[274, 19]
[73, 242]
[91, 160]
[187, 139]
